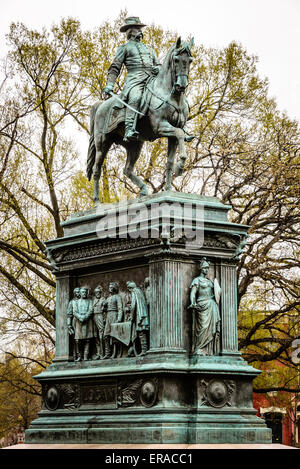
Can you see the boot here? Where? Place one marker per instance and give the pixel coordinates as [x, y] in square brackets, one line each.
[189, 138]
[131, 135]
[143, 341]
[97, 357]
[77, 351]
[106, 348]
[99, 350]
[86, 350]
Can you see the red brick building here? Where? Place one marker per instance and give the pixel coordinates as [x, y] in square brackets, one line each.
[279, 419]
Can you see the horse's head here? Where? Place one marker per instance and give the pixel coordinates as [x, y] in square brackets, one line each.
[181, 59]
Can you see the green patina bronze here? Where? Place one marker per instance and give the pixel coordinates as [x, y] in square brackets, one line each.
[205, 297]
[148, 383]
[146, 314]
[153, 105]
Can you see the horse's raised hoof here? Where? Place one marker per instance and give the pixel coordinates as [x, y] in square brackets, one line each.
[189, 138]
[143, 192]
[178, 170]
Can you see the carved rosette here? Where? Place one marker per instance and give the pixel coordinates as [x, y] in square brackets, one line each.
[216, 392]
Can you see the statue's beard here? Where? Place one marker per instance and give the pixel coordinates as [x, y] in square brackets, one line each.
[139, 35]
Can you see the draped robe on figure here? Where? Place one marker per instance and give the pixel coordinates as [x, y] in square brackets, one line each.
[206, 317]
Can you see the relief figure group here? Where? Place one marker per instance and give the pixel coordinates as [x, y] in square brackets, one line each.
[117, 324]
[112, 326]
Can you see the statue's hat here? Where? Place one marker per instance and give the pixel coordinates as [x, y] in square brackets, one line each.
[130, 22]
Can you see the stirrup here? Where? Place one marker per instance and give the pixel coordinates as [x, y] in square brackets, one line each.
[131, 136]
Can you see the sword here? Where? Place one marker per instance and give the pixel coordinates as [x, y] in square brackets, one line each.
[113, 95]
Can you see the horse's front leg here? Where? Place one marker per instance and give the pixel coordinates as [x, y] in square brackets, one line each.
[167, 130]
[172, 146]
[182, 153]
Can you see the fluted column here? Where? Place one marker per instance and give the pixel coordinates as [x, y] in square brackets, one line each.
[63, 296]
[229, 337]
[168, 309]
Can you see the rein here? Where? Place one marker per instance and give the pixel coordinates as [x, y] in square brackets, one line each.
[163, 100]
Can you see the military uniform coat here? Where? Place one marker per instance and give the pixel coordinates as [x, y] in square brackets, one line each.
[83, 323]
[138, 58]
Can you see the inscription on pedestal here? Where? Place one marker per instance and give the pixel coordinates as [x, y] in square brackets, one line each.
[104, 395]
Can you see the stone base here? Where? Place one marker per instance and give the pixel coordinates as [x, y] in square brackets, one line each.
[163, 401]
[164, 433]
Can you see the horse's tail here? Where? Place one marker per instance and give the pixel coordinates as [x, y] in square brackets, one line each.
[91, 156]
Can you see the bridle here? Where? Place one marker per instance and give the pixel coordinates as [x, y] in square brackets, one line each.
[174, 79]
[174, 74]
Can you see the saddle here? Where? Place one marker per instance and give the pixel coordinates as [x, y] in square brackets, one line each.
[117, 111]
[114, 117]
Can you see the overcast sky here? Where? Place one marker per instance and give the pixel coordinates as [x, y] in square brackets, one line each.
[268, 28]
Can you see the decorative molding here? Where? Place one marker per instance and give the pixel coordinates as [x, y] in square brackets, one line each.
[220, 241]
[164, 254]
[61, 396]
[64, 254]
[71, 397]
[100, 248]
[106, 395]
[128, 393]
[138, 392]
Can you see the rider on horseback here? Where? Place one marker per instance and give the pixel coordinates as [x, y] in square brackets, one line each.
[141, 63]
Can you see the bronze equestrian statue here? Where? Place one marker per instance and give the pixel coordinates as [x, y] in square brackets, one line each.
[152, 105]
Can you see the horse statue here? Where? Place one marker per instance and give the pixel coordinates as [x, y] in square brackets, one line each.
[165, 113]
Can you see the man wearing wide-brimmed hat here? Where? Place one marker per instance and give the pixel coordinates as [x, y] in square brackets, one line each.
[141, 62]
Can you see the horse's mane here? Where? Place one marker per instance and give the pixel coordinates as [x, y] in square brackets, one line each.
[184, 47]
